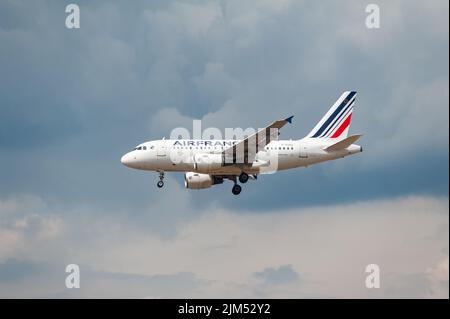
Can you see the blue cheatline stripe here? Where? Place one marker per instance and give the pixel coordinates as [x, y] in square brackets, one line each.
[335, 113]
[338, 118]
[340, 121]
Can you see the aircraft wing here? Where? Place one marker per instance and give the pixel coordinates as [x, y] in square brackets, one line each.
[245, 151]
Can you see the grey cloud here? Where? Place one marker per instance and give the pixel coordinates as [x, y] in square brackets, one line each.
[44, 280]
[14, 270]
[72, 102]
[98, 284]
[75, 101]
[282, 274]
[415, 285]
[308, 252]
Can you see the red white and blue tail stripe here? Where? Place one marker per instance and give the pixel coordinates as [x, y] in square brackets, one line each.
[336, 122]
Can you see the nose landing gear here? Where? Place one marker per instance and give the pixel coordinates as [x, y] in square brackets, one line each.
[161, 180]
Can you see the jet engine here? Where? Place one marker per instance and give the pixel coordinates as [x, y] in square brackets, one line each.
[198, 181]
[207, 163]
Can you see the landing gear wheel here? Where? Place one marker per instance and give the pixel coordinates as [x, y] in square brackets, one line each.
[243, 178]
[160, 184]
[236, 190]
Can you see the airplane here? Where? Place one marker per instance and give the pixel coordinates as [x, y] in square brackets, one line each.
[210, 162]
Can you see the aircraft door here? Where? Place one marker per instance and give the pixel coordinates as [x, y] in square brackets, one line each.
[303, 151]
[161, 150]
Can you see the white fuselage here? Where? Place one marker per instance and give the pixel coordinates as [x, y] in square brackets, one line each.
[180, 155]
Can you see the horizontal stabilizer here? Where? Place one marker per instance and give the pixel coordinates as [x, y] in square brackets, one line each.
[343, 144]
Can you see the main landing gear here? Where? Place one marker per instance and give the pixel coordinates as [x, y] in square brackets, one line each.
[243, 178]
[236, 190]
[161, 180]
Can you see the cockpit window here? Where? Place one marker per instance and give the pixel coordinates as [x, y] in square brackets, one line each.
[139, 148]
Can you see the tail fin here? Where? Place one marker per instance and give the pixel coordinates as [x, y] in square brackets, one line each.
[336, 122]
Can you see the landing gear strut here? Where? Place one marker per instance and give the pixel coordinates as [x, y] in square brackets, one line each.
[161, 180]
[243, 178]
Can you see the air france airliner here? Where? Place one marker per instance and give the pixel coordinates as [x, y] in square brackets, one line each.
[209, 162]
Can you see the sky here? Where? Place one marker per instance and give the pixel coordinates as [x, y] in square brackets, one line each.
[73, 101]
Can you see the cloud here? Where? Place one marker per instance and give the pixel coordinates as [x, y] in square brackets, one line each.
[13, 270]
[307, 252]
[76, 100]
[432, 283]
[17, 276]
[440, 271]
[24, 221]
[73, 101]
[282, 274]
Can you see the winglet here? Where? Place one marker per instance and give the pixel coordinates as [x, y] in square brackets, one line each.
[289, 119]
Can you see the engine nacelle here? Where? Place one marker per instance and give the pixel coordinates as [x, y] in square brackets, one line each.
[197, 180]
[207, 163]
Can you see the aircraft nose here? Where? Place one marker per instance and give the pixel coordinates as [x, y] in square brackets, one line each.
[125, 160]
